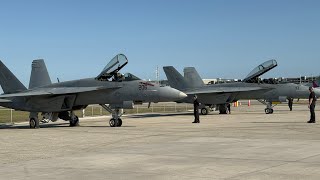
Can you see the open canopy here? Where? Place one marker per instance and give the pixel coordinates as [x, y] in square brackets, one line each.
[261, 69]
[113, 67]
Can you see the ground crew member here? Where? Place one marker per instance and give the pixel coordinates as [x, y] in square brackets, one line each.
[312, 105]
[196, 109]
[290, 103]
[229, 108]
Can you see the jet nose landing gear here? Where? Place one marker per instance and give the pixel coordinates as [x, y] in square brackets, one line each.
[115, 121]
[268, 111]
[269, 108]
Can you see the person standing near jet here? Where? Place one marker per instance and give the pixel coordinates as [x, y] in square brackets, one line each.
[229, 108]
[290, 103]
[196, 109]
[312, 105]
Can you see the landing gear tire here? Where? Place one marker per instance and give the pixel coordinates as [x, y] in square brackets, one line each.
[115, 123]
[119, 124]
[74, 121]
[33, 123]
[223, 112]
[268, 111]
[204, 111]
[112, 122]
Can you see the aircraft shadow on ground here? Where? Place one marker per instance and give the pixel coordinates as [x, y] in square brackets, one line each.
[171, 115]
[263, 113]
[123, 126]
[158, 115]
[61, 125]
[275, 122]
[27, 126]
[299, 110]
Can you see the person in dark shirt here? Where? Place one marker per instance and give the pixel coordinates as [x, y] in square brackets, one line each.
[196, 109]
[290, 103]
[229, 108]
[312, 105]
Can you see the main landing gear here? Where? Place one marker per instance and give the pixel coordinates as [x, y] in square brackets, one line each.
[223, 109]
[69, 116]
[65, 115]
[34, 120]
[74, 120]
[115, 121]
[205, 111]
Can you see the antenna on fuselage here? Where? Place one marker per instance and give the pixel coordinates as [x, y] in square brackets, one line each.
[158, 75]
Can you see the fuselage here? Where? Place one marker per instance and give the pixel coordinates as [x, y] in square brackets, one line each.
[108, 92]
[270, 92]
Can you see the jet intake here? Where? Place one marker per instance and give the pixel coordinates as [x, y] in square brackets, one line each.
[283, 98]
[279, 100]
[124, 105]
[138, 102]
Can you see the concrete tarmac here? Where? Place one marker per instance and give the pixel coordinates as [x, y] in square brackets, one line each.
[248, 144]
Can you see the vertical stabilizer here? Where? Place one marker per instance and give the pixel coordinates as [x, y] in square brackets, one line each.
[175, 79]
[39, 74]
[8, 81]
[192, 77]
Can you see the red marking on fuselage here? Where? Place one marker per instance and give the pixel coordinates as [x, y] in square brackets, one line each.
[147, 83]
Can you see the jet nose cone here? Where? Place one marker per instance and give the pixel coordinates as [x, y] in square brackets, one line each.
[182, 95]
[168, 94]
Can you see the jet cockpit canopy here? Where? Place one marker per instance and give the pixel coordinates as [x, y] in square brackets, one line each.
[259, 70]
[130, 77]
[113, 67]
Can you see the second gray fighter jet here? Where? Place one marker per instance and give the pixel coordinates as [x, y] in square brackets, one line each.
[221, 94]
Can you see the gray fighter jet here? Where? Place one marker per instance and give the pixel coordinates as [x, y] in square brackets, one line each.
[60, 100]
[221, 94]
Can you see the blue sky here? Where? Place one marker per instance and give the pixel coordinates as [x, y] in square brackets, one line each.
[221, 38]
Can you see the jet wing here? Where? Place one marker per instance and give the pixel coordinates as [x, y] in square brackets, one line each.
[219, 90]
[56, 91]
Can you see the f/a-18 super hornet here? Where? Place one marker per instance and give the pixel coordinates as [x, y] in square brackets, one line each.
[221, 94]
[112, 90]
